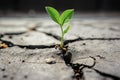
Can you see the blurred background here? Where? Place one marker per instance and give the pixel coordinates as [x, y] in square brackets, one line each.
[37, 6]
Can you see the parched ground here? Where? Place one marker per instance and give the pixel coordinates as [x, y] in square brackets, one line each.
[31, 42]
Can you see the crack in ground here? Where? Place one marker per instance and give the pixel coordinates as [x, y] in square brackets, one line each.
[77, 39]
[16, 33]
[54, 36]
[35, 46]
[107, 75]
[83, 39]
[10, 44]
[76, 67]
[10, 34]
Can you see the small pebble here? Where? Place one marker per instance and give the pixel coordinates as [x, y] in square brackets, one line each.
[32, 27]
[50, 61]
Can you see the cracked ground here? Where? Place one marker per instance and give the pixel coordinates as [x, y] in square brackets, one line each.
[31, 44]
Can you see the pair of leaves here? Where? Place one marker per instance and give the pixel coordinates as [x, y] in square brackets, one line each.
[60, 19]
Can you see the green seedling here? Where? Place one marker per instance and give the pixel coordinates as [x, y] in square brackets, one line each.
[61, 20]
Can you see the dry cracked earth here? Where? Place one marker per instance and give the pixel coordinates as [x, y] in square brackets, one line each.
[27, 47]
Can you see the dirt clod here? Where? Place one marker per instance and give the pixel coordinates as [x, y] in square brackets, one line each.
[3, 45]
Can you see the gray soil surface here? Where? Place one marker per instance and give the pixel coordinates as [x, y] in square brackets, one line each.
[30, 51]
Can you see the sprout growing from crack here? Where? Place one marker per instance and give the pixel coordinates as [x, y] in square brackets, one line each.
[61, 20]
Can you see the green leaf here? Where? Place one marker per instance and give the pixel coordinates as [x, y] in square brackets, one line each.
[66, 16]
[67, 29]
[53, 13]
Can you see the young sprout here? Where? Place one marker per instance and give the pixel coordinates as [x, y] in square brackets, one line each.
[61, 20]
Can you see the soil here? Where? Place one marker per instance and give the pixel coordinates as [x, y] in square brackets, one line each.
[92, 52]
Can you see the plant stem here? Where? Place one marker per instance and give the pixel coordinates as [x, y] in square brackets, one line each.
[62, 37]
